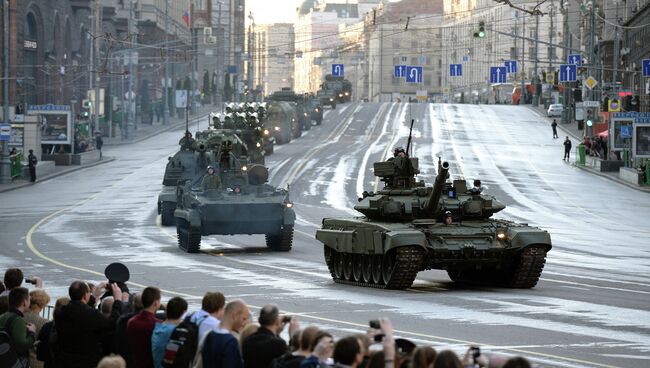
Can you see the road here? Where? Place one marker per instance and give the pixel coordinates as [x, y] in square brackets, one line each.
[590, 309]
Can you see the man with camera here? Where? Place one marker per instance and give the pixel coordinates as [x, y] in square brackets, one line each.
[14, 278]
[259, 349]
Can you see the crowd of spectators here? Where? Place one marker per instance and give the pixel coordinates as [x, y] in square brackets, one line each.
[106, 326]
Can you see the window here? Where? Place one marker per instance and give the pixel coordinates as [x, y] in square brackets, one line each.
[426, 78]
[429, 62]
[414, 61]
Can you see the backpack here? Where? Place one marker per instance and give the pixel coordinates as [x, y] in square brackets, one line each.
[8, 356]
[183, 343]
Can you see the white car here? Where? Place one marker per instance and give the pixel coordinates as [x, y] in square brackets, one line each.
[555, 110]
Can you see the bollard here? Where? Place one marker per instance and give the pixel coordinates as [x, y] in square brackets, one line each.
[626, 158]
[581, 154]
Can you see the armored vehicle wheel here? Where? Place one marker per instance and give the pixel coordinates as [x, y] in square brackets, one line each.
[400, 267]
[281, 242]
[376, 269]
[330, 257]
[366, 268]
[527, 269]
[319, 121]
[189, 238]
[339, 266]
[347, 266]
[167, 213]
[357, 267]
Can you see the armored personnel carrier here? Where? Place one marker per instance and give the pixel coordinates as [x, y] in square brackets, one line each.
[408, 227]
[241, 202]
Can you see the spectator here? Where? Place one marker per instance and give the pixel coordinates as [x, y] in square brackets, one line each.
[38, 300]
[321, 350]
[2, 287]
[4, 304]
[106, 306]
[246, 332]
[262, 347]
[14, 278]
[221, 348]
[423, 357]
[140, 327]
[296, 356]
[112, 361]
[517, 362]
[347, 352]
[176, 307]
[32, 161]
[99, 143]
[80, 328]
[47, 341]
[447, 359]
[22, 333]
[208, 318]
[122, 347]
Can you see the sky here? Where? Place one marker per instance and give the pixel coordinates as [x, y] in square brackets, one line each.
[273, 11]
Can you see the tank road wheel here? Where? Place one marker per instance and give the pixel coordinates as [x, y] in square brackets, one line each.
[339, 266]
[348, 260]
[281, 242]
[167, 213]
[527, 269]
[330, 259]
[189, 238]
[376, 269]
[366, 268]
[357, 267]
[400, 267]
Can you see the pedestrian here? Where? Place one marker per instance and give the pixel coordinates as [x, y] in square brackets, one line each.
[99, 143]
[21, 334]
[176, 307]
[140, 328]
[259, 349]
[32, 161]
[39, 299]
[554, 126]
[567, 148]
[221, 348]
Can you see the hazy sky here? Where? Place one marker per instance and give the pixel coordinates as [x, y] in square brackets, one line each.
[273, 11]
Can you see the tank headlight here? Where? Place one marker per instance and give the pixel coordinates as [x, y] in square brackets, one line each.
[244, 168]
[266, 132]
[340, 95]
[305, 114]
[277, 128]
[347, 93]
[331, 99]
[288, 204]
[258, 145]
[501, 235]
[316, 109]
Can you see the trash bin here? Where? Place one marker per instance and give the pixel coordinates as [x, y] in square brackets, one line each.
[581, 154]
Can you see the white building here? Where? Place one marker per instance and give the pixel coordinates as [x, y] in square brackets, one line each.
[273, 55]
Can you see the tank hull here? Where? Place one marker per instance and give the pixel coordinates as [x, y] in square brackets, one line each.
[470, 251]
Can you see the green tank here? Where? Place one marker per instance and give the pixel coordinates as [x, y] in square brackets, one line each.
[239, 201]
[404, 231]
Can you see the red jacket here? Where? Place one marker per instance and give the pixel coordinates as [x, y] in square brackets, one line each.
[138, 331]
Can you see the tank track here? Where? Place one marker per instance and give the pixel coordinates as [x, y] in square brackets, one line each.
[527, 271]
[281, 242]
[167, 213]
[189, 238]
[406, 267]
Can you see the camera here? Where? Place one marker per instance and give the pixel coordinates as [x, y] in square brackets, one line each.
[374, 324]
[476, 352]
[286, 319]
[31, 281]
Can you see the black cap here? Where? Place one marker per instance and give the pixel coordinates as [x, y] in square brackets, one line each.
[117, 272]
[404, 346]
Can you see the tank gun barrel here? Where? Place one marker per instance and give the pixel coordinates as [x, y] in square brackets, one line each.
[432, 206]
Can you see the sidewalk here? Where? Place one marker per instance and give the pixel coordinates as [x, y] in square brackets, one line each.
[144, 131]
[572, 131]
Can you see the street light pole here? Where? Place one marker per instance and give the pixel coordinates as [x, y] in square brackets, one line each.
[535, 81]
[5, 163]
[166, 80]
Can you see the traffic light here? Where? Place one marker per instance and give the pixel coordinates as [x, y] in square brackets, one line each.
[481, 30]
[86, 106]
[590, 117]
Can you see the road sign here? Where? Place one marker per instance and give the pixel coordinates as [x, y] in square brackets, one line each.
[421, 94]
[400, 71]
[511, 66]
[568, 72]
[456, 70]
[590, 103]
[337, 70]
[181, 99]
[414, 74]
[646, 67]
[498, 74]
[591, 82]
[5, 132]
[550, 76]
[614, 105]
[575, 59]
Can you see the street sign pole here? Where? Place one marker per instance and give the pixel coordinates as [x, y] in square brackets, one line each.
[5, 163]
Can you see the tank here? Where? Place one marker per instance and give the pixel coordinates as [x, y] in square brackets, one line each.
[403, 231]
[281, 122]
[340, 87]
[298, 102]
[242, 203]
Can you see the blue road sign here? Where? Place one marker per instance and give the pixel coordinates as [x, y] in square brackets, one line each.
[400, 71]
[5, 131]
[575, 59]
[511, 66]
[498, 74]
[337, 70]
[456, 70]
[568, 72]
[646, 67]
[414, 74]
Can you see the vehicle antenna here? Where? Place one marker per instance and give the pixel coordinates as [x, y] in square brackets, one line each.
[408, 143]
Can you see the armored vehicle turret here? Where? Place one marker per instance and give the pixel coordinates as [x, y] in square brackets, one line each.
[231, 196]
[409, 227]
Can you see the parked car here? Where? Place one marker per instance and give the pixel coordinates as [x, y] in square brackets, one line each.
[555, 110]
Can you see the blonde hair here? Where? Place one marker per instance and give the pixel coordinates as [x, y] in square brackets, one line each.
[247, 331]
[38, 299]
[112, 361]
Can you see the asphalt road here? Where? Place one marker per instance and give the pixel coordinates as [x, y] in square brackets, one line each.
[590, 309]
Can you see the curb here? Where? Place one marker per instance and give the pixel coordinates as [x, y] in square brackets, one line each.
[60, 173]
[612, 178]
[155, 133]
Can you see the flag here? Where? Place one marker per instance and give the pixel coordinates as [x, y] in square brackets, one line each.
[186, 17]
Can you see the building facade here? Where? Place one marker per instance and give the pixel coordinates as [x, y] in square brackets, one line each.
[274, 55]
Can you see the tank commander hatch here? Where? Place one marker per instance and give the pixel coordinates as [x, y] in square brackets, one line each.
[210, 179]
[477, 189]
[187, 142]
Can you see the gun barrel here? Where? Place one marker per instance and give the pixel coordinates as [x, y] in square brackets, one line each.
[432, 206]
